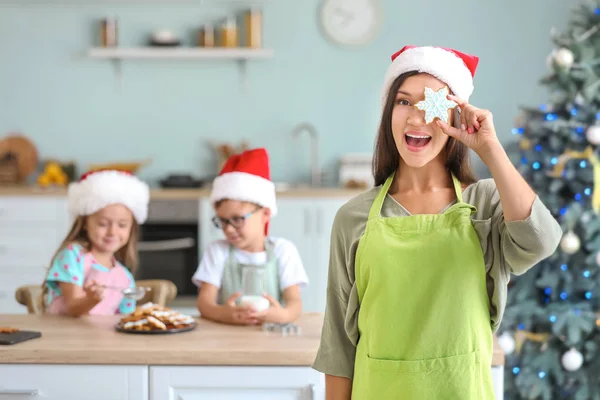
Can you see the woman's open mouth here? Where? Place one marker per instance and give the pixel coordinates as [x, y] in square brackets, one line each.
[416, 141]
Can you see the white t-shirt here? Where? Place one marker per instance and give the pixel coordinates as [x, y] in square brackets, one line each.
[290, 268]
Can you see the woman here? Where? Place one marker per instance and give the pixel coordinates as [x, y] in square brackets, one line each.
[420, 263]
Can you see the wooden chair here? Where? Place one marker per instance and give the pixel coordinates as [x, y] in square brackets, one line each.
[161, 292]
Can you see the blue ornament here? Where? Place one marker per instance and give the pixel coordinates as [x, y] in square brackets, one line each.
[436, 104]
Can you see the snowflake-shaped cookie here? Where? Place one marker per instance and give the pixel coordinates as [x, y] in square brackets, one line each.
[436, 104]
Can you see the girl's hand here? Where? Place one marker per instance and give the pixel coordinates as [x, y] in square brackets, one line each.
[275, 313]
[477, 127]
[93, 291]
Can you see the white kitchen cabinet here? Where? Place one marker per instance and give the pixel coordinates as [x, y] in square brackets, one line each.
[236, 383]
[498, 379]
[306, 222]
[31, 229]
[73, 382]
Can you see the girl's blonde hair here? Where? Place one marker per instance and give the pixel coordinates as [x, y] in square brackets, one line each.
[126, 255]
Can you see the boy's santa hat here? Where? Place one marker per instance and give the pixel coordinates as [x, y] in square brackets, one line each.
[452, 67]
[98, 189]
[246, 177]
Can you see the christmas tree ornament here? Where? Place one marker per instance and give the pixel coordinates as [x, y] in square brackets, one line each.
[436, 104]
[507, 343]
[572, 360]
[570, 243]
[525, 144]
[586, 217]
[563, 58]
[587, 154]
[592, 134]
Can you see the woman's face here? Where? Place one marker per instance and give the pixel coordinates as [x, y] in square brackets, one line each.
[417, 142]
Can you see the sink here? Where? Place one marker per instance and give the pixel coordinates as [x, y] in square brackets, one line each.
[283, 186]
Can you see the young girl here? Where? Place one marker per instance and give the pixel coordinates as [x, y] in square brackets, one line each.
[244, 200]
[420, 263]
[99, 255]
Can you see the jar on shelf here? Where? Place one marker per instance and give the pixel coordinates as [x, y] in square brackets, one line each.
[109, 32]
[229, 33]
[207, 36]
[253, 24]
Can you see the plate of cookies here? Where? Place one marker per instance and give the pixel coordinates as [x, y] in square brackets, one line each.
[155, 319]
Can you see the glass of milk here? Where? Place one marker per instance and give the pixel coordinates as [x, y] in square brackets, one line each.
[253, 288]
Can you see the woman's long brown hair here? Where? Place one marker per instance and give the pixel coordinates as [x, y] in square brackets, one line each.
[126, 255]
[386, 158]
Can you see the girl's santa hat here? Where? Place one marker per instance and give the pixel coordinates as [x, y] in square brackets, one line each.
[98, 189]
[246, 177]
[450, 66]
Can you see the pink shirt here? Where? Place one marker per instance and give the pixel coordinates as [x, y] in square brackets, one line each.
[74, 265]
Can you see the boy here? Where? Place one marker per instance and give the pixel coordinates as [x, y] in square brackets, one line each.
[243, 197]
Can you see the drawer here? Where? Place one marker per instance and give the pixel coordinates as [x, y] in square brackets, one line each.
[73, 382]
[10, 282]
[250, 383]
[27, 209]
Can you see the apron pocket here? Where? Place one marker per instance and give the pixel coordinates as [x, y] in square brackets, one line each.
[455, 377]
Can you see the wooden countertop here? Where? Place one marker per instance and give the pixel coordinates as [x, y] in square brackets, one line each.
[93, 340]
[159, 193]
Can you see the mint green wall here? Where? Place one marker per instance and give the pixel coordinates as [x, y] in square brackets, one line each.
[168, 110]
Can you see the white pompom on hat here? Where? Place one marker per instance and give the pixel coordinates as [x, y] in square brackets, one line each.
[455, 68]
[98, 189]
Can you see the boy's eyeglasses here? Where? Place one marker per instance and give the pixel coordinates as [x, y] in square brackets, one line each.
[236, 222]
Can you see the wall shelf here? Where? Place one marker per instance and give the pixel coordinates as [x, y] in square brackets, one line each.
[117, 55]
[86, 3]
[215, 53]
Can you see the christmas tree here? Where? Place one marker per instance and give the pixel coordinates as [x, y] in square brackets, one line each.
[551, 329]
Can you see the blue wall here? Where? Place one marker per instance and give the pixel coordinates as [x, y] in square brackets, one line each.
[168, 110]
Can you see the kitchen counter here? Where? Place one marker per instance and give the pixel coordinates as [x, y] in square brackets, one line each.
[166, 194]
[76, 358]
[93, 340]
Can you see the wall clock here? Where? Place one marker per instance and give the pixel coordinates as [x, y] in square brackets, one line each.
[350, 22]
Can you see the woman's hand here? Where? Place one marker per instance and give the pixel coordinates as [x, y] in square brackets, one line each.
[477, 129]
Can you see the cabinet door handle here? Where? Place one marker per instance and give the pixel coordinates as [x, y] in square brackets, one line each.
[306, 221]
[18, 392]
[319, 220]
[167, 245]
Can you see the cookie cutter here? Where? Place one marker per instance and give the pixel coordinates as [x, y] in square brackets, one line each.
[288, 329]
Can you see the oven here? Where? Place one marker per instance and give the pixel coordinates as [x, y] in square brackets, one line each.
[168, 243]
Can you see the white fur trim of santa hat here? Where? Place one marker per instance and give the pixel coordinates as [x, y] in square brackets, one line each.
[436, 61]
[103, 188]
[243, 186]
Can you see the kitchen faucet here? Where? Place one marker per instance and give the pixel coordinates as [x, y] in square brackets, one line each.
[314, 156]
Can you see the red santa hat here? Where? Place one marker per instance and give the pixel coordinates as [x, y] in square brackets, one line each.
[98, 189]
[451, 66]
[246, 177]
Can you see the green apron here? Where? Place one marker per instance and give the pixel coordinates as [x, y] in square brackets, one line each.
[424, 323]
[232, 275]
